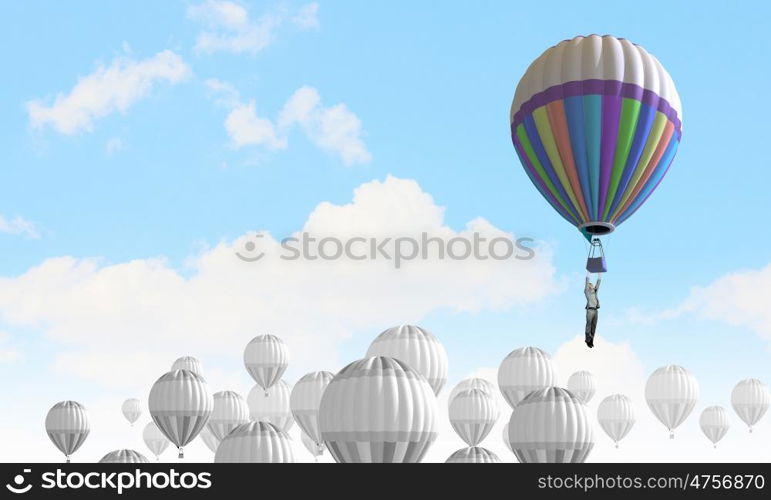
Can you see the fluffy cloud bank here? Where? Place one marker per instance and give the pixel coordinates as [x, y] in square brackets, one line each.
[109, 89]
[110, 318]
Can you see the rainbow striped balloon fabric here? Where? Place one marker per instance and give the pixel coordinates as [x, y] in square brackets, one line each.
[596, 122]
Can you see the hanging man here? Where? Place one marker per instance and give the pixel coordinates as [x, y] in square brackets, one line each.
[592, 306]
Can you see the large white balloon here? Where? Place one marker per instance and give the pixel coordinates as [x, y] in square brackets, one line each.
[209, 439]
[271, 406]
[473, 455]
[378, 410]
[714, 423]
[266, 358]
[188, 363]
[616, 416]
[473, 414]
[229, 412]
[551, 426]
[256, 443]
[314, 448]
[124, 457]
[523, 371]
[583, 385]
[67, 426]
[180, 405]
[132, 410]
[305, 402]
[417, 348]
[155, 440]
[671, 393]
[750, 399]
[472, 383]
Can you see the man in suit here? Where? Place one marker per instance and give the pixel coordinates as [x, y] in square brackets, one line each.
[592, 306]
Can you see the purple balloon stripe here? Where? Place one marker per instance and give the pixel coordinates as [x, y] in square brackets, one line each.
[601, 87]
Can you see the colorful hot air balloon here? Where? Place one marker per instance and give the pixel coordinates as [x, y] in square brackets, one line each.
[266, 358]
[473, 414]
[155, 439]
[525, 370]
[378, 410]
[551, 426]
[305, 402]
[714, 423]
[671, 393]
[67, 426]
[583, 385]
[314, 448]
[124, 457]
[417, 348]
[255, 442]
[596, 122]
[271, 406]
[132, 410]
[187, 363]
[180, 405]
[229, 411]
[616, 416]
[750, 399]
[472, 383]
[473, 455]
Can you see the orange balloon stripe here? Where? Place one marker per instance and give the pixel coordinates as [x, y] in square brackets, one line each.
[559, 126]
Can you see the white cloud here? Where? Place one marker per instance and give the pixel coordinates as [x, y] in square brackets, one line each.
[8, 354]
[333, 129]
[114, 145]
[108, 316]
[307, 16]
[108, 89]
[18, 226]
[230, 28]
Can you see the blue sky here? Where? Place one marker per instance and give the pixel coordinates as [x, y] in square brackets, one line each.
[431, 88]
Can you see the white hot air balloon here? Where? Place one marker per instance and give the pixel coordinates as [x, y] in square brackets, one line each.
[273, 406]
[155, 440]
[473, 455]
[551, 426]
[124, 457]
[229, 412]
[472, 383]
[616, 416]
[583, 385]
[266, 358]
[314, 448]
[67, 426]
[473, 414]
[132, 410]
[417, 348]
[506, 436]
[256, 443]
[750, 399]
[523, 371]
[305, 401]
[188, 363]
[671, 393]
[209, 439]
[378, 410]
[180, 405]
[714, 423]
